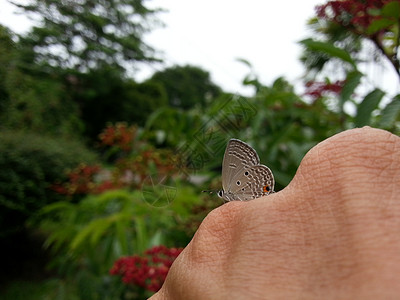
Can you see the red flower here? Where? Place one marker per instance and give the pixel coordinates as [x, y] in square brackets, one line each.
[120, 135]
[318, 89]
[352, 14]
[148, 271]
[82, 181]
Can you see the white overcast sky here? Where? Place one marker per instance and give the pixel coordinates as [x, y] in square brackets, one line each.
[213, 34]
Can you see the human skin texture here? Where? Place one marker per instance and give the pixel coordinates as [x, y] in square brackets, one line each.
[332, 233]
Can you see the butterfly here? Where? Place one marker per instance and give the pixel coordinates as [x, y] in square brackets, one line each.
[243, 177]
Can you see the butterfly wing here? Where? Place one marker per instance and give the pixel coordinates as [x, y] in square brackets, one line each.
[252, 182]
[237, 158]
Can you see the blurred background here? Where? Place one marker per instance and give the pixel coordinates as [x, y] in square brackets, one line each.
[114, 116]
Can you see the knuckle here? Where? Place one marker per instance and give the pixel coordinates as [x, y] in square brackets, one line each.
[214, 235]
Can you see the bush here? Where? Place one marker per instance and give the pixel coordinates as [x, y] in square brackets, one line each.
[29, 165]
[88, 237]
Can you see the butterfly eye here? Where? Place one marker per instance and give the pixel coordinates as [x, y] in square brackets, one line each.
[220, 193]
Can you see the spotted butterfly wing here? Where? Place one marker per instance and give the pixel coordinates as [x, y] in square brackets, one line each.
[243, 178]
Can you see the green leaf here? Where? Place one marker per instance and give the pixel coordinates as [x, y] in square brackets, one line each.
[244, 61]
[157, 239]
[101, 227]
[57, 207]
[367, 106]
[390, 113]
[120, 231]
[380, 24]
[352, 81]
[90, 232]
[391, 9]
[142, 237]
[374, 12]
[328, 49]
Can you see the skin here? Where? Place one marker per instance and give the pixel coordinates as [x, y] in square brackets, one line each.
[332, 233]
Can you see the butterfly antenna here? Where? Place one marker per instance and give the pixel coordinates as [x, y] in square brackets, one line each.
[208, 191]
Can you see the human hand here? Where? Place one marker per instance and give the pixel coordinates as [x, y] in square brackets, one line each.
[332, 233]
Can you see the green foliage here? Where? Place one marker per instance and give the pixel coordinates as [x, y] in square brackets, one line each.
[328, 45]
[277, 122]
[379, 25]
[390, 113]
[353, 79]
[141, 100]
[341, 26]
[31, 98]
[90, 235]
[339, 39]
[187, 86]
[106, 226]
[329, 50]
[283, 127]
[104, 96]
[391, 9]
[7, 50]
[90, 35]
[29, 165]
[172, 127]
[40, 290]
[367, 106]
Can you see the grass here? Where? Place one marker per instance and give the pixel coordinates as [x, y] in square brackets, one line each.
[49, 289]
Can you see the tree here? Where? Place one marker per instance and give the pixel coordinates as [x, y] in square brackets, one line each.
[85, 49]
[349, 33]
[187, 86]
[104, 96]
[88, 34]
[31, 98]
[349, 24]
[142, 100]
[7, 50]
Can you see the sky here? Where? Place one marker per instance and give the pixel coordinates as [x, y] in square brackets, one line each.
[214, 34]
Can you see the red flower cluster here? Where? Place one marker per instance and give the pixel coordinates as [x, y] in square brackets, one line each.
[82, 181]
[141, 165]
[120, 135]
[130, 170]
[353, 14]
[317, 89]
[148, 271]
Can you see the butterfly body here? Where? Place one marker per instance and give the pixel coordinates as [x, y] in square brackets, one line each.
[243, 177]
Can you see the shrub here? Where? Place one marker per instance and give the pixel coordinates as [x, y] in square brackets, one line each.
[29, 165]
[88, 237]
